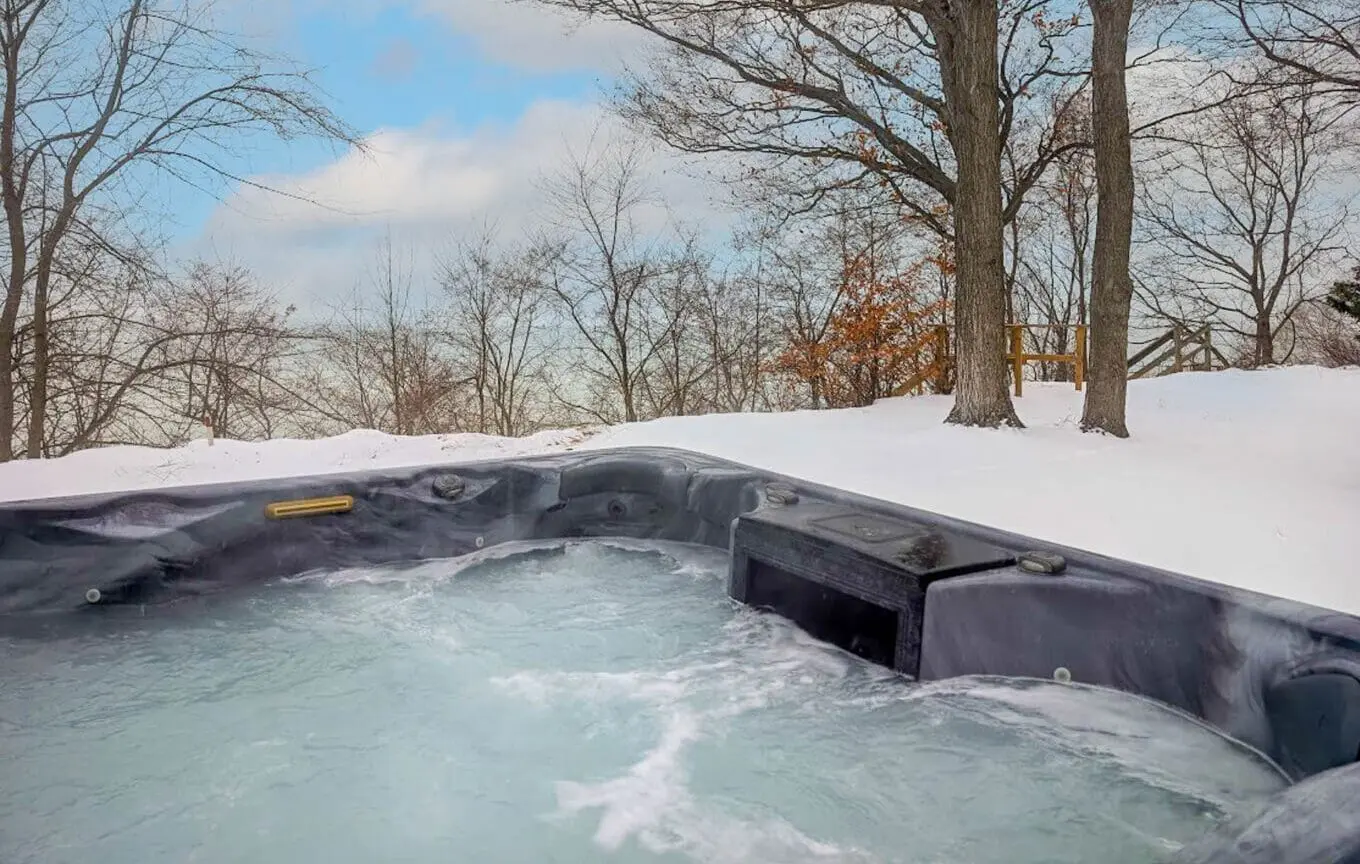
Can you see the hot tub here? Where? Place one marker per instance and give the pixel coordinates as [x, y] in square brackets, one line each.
[929, 597]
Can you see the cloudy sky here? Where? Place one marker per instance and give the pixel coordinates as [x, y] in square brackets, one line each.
[466, 105]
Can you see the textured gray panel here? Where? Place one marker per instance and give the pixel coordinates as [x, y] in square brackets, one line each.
[1315, 822]
[1138, 637]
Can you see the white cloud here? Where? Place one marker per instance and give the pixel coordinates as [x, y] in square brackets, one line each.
[529, 35]
[403, 177]
[428, 186]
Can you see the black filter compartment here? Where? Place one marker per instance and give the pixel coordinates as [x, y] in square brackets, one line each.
[1314, 711]
[850, 577]
[860, 627]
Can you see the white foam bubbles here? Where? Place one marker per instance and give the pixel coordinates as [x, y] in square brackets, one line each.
[572, 702]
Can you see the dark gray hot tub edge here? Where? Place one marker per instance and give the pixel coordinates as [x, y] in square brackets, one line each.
[932, 596]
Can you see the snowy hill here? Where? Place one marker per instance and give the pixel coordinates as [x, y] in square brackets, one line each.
[1246, 478]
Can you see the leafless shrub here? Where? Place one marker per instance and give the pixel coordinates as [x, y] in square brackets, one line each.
[380, 362]
[500, 327]
[1326, 337]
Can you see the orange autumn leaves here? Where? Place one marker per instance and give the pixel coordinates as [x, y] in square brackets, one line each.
[882, 334]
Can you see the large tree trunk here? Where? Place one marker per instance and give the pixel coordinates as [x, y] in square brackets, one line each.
[1265, 339]
[967, 38]
[1111, 286]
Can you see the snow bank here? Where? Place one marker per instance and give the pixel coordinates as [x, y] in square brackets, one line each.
[1246, 478]
[119, 469]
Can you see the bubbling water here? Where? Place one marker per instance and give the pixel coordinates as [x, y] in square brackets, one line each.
[566, 702]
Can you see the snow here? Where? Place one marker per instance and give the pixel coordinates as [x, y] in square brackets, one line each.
[1245, 478]
[122, 469]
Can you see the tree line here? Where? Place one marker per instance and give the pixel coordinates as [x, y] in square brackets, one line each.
[905, 166]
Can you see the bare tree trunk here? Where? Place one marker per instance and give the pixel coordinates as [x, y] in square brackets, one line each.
[1265, 337]
[13, 195]
[393, 285]
[968, 63]
[1111, 285]
[37, 396]
[9, 317]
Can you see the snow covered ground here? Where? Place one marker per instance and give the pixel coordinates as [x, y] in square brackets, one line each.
[1246, 478]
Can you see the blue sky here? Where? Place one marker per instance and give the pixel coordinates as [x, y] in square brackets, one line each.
[466, 104]
[392, 66]
[401, 69]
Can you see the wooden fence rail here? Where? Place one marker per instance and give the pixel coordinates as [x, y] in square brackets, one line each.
[1018, 356]
[1179, 349]
[937, 370]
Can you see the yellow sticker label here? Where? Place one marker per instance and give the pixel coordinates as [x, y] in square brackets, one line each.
[309, 507]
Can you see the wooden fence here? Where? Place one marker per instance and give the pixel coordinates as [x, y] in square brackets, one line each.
[1018, 357]
[1179, 349]
[937, 371]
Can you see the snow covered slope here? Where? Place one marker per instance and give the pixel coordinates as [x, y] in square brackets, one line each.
[118, 469]
[1246, 478]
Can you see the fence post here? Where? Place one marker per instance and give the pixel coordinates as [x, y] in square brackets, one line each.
[1018, 358]
[1079, 363]
[1178, 345]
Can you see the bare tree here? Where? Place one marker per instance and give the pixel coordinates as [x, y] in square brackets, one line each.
[857, 298]
[380, 362]
[1327, 338]
[807, 288]
[1316, 42]
[1330, 330]
[607, 276]
[228, 369]
[911, 98]
[140, 358]
[1111, 285]
[92, 92]
[1243, 222]
[103, 340]
[735, 322]
[967, 42]
[1054, 250]
[806, 294]
[675, 383]
[498, 323]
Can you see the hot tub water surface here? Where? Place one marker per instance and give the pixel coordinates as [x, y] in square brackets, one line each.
[565, 702]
